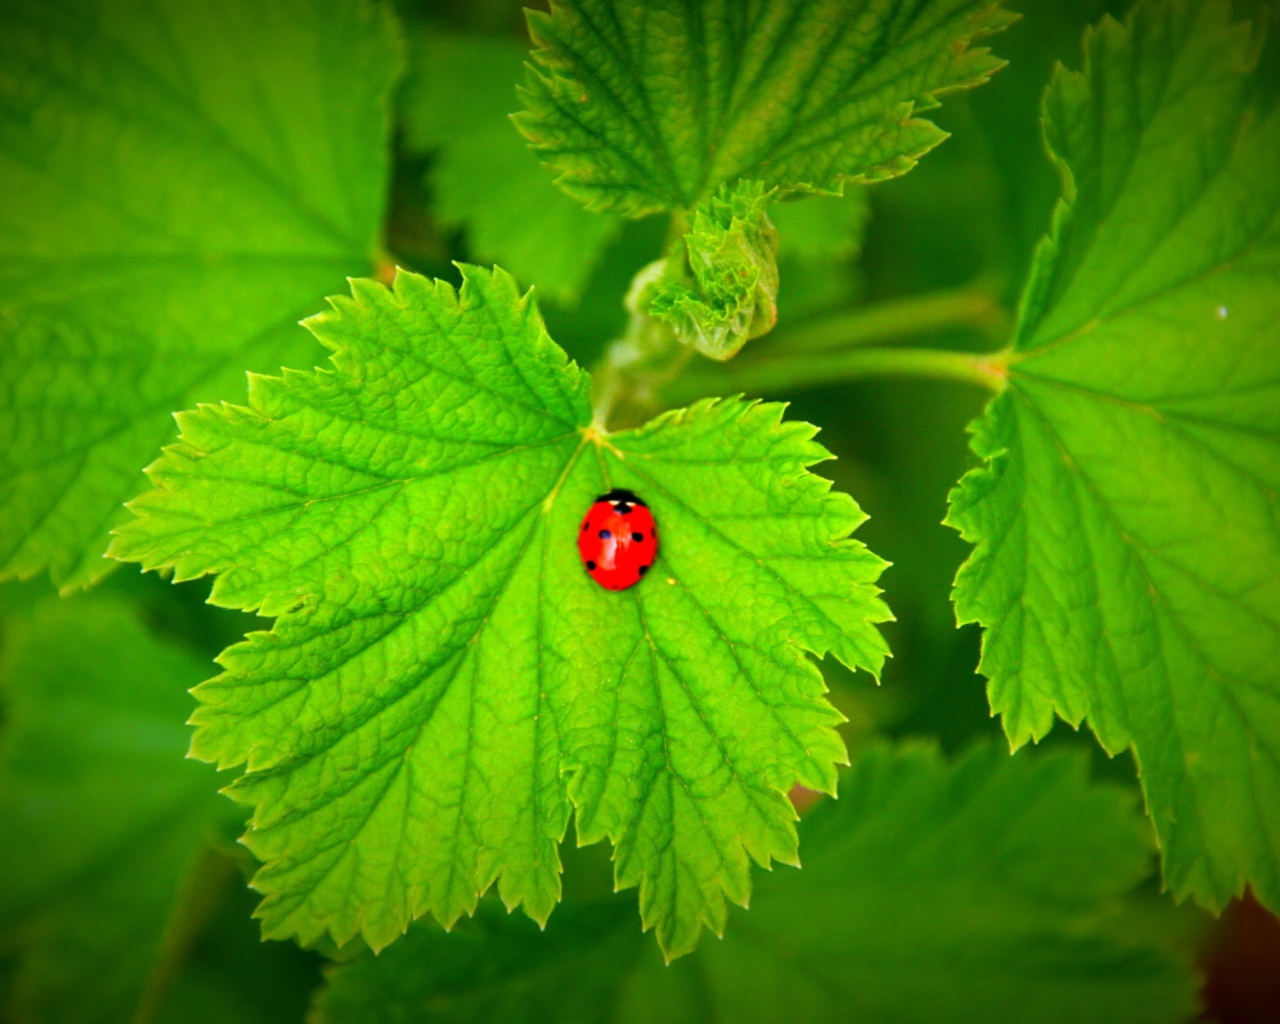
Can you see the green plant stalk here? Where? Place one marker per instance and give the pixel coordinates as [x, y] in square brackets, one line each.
[971, 306]
[208, 878]
[627, 382]
[755, 376]
[645, 371]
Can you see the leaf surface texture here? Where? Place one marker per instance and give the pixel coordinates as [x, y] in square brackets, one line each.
[444, 682]
[653, 105]
[1127, 524]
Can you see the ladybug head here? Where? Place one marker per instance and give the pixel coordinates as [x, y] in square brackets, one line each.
[620, 495]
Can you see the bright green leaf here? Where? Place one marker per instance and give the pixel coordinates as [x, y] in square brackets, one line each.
[184, 180]
[729, 292]
[444, 681]
[652, 105]
[103, 819]
[1127, 565]
[987, 890]
[458, 96]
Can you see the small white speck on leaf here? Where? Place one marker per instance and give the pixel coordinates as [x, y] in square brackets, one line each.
[1222, 312]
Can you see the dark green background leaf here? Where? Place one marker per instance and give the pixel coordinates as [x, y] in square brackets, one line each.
[105, 825]
[185, 179]
[984, 890]
[458, 94]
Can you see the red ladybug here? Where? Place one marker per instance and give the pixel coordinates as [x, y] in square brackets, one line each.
[618, 540]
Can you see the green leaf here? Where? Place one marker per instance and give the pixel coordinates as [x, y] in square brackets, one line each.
[458, 96]
[186, 179]
[444, 682]
[1127, 565]
[731, 252]
[984, 890]
[652, 105]
[104, 821]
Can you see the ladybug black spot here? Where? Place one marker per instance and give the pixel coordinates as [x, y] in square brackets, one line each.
[643, 569]
[605, 534]
[591, 566]
[586, 525]
[637, 537]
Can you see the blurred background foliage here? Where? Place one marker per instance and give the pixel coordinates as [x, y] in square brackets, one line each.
[464, 187]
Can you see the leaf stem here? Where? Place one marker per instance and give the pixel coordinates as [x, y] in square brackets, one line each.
[636, 366]
[647, 369]
[753, 375]
[207, 879]
[971, 306]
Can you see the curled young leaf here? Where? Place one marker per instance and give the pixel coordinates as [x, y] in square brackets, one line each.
[732, 252]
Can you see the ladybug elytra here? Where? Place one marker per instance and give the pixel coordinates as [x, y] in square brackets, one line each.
[618, 540]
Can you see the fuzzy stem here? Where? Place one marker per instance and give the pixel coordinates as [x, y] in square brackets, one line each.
[648, 356]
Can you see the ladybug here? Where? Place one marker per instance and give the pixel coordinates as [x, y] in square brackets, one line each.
[618, 540]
